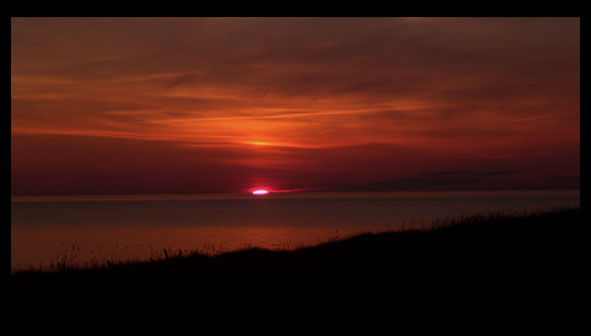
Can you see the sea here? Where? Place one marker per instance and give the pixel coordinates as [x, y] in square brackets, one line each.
[89, 230]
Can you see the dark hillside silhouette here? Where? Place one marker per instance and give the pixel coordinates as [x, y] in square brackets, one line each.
[518, 263]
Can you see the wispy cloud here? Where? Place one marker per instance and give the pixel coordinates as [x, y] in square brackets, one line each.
[454, 88]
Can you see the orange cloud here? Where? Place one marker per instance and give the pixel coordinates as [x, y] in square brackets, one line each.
[271, 94]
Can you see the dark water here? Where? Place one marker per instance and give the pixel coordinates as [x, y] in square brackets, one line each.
[92, 229]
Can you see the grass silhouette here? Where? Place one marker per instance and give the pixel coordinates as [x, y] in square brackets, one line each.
[519, 261]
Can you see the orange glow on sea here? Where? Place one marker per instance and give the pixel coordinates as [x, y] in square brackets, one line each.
[93, 246]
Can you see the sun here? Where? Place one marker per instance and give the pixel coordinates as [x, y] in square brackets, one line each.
[259, 192]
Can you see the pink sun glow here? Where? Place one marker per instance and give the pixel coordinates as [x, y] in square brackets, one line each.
[260, 192]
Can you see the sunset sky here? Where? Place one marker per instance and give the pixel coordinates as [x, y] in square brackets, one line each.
[177, 105]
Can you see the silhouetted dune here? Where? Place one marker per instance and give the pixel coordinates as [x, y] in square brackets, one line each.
[476, 266]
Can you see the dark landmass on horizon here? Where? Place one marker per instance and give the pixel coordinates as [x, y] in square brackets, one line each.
[458, 181]
[493, 268]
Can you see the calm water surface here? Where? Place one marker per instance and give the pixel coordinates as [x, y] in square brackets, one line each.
[92, 229]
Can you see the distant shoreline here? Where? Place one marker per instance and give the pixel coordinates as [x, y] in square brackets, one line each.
[312, 194]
